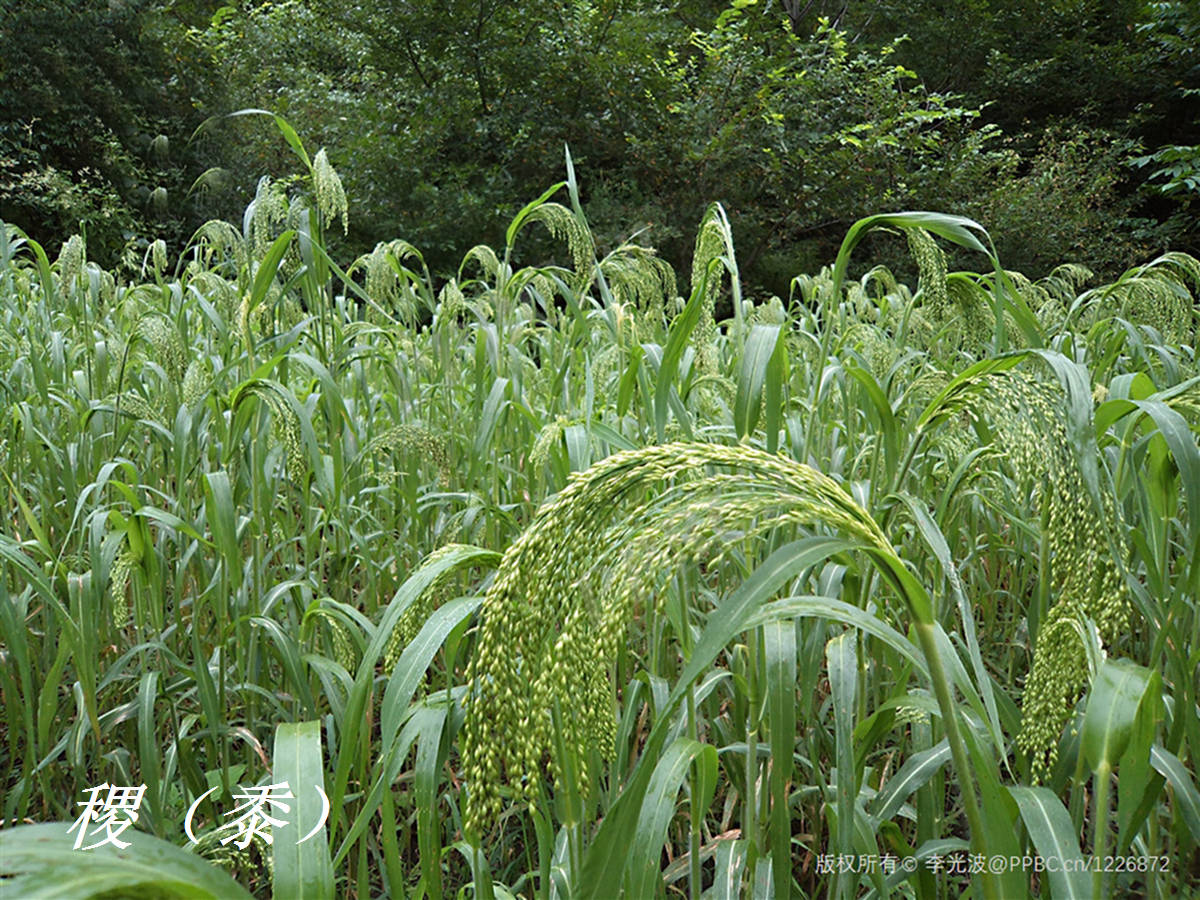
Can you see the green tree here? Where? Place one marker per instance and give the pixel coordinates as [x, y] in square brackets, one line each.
[96, 105]
[1116, 76]
[444, 118]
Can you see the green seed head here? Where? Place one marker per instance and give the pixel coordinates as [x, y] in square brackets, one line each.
[331, 196]
[1085, 578]
[568, 586]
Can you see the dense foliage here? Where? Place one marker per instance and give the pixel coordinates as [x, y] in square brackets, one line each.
[96, 108]
[563, 583]
[1068, 128]
[687, 566]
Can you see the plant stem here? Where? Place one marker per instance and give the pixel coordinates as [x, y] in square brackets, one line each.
[1103, 789]
[694, 884]
[749, 825]
[958, 751]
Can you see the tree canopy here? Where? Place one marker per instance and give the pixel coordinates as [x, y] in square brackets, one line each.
[799, 117]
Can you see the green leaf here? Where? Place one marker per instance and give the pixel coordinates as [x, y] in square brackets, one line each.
[779, 650]
[604, 864]
[1174, 429]
[519, 220]
[658, 808]
[493, 408]
[446, 559]
[302, 866]
[1187, 798]
[729, 862]
[841, 656]
[425, 782]
[677, 342]
[285, 128]
[936, 541]
[415, 660]
[1049, 826]
[958, 229]
[1112, 709]
[221, 514]
[759, 355]
[916, 771]
[289, 654]
[967, 384]
[1139, 787]
[39, 862]
[267, 269]
[151, 761]
[629, 379]
[169, 520]
[887, 419]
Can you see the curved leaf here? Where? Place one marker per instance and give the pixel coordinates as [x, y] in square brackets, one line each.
[658, 808]
[1049, 825]
[39, 862]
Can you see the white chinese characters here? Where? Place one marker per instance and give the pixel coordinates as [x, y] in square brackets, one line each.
[110, 813]
[110, 809]
[257, 814]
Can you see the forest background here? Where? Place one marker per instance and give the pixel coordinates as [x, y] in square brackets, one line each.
[1070, 129]
[247, 486]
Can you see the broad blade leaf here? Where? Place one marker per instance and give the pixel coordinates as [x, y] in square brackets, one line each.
[1116, 694]
[302, 865]
[40, 862]
[1049, 825]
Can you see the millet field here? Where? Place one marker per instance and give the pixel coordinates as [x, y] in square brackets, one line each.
[595, 578]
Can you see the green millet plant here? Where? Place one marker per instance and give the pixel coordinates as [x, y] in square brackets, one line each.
[118, 585]
[712, 242]
[409, 624]
[1086, 581]
[1156, 294]
[568, 586]
[931, 263]
[285, 425]
[564, 224]
[71, 258]
[386, 283]
[162, 335]
[327, 185]
[411, 438]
